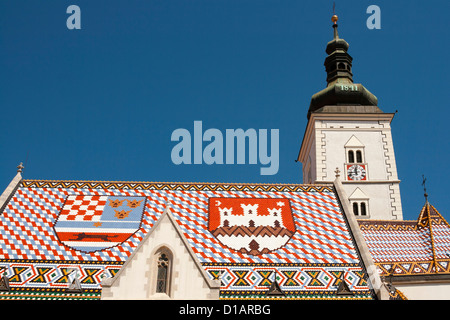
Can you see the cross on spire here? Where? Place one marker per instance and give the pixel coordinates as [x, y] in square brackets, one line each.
[424, 188]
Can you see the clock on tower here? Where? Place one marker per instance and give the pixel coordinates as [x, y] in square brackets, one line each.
[356, 172]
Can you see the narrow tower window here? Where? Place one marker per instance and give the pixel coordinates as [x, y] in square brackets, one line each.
[355, 208]
[351, 156]
[359, 156]
[359, 204]
[363, 209]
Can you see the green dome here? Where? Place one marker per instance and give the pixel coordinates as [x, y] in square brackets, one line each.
[341, 95]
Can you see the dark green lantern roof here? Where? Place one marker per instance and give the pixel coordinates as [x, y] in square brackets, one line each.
[341, 95]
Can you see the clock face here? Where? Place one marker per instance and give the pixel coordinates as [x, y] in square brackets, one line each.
[356, 172]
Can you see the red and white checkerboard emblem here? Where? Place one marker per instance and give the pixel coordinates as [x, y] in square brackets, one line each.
[93, 223]
[251, 225]
[83, 208]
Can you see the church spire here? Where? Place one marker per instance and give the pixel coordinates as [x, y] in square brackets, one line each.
[341, 95]
[338, 64]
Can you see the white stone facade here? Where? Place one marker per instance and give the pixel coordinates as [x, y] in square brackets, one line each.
[186, 279]
[425, 290]
[326, 145]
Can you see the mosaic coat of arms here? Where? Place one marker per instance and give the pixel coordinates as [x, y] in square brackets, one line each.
[94, 223]
[252, 226]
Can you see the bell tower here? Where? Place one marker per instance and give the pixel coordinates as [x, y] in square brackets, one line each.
[347, 130]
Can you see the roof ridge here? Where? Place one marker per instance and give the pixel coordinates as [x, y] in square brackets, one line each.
[179, 182]
[426, 220]
[439, 215]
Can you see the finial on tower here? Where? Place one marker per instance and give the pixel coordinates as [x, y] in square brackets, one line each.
[334, 18]
[20, 167]
[337, 172]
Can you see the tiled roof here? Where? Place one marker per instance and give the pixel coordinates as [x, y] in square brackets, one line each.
[49, 228]
[405, 248]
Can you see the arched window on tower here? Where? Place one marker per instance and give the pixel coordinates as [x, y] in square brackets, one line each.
[359, 156]
[359, 203]
[351, 156]
[354, 150]
[355, 209]
[363, 209]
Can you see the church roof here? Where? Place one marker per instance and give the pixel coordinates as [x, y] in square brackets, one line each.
[410, 248]
[51, 228]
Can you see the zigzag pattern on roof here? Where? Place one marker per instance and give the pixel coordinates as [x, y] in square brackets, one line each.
[408, 268]
[295, 279]
[366, 225]
[173, 186]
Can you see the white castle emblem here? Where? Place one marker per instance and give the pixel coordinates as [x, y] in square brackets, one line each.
[250, 216]
[251, 226]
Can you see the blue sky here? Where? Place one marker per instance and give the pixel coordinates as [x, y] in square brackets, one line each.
[101, 103]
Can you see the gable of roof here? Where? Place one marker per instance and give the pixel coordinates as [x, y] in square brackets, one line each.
[308, 263]
[131, 282]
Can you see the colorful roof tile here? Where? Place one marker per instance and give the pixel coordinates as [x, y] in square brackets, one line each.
[403, 248]
[55, 231]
